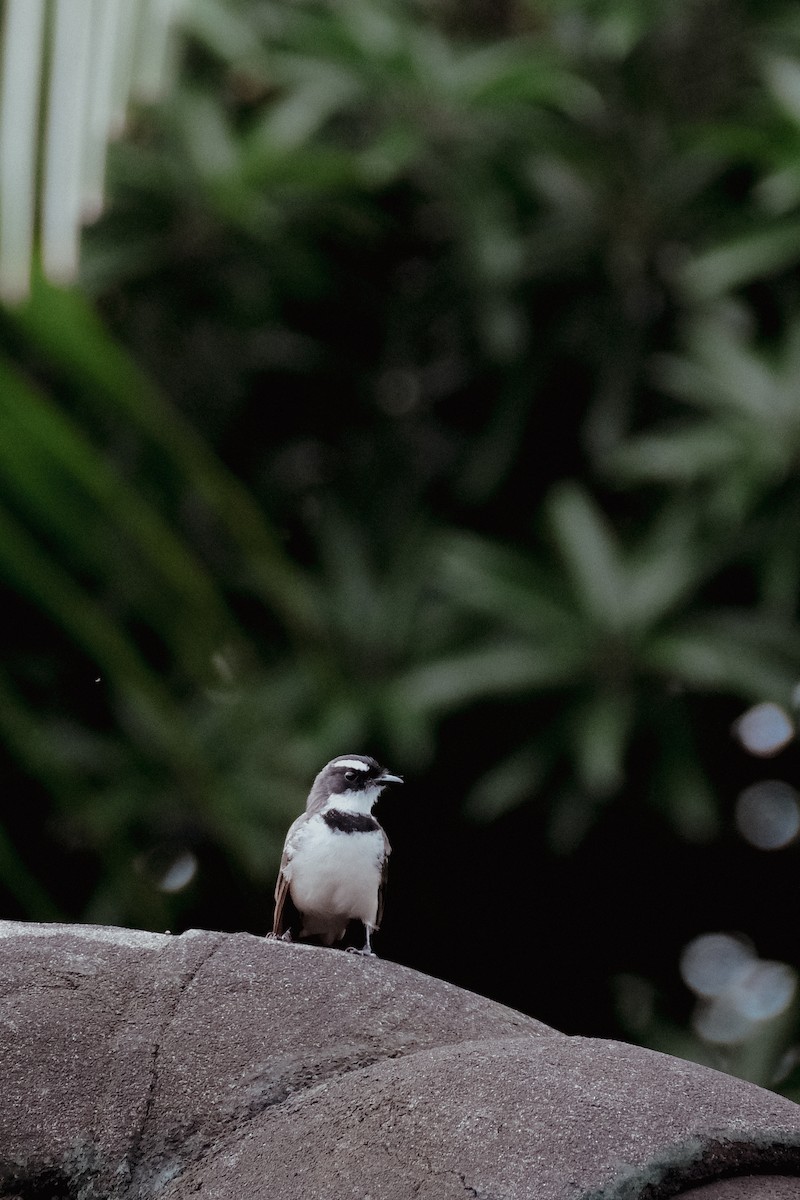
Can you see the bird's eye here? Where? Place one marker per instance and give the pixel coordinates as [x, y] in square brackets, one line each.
[350, 776]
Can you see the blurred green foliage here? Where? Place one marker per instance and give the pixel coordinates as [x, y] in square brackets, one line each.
[430, 359]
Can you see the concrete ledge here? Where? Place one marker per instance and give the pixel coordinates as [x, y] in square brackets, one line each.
[223, 1065]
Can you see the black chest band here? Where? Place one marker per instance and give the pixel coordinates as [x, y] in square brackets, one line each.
[347, 822]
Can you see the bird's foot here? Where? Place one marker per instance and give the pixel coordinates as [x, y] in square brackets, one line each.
[279, 937]
[364, 951]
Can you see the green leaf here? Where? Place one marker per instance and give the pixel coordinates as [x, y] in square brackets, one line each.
[34, 574]
[510, 588]
[741, 261]
[572, 816]
[600, 729]
[782, 75]
[513, 781]
[680, 456]
[503, 670]
[66, 331]
[666, 567]
[735, 376]
[713, 656]
[225, 31]
[69, 489]
[681, 786]
[211, 145]
[590, 554]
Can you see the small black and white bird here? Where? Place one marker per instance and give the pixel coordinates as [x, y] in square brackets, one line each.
[335, 856]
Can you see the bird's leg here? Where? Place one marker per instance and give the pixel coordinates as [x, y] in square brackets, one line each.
[366, 949]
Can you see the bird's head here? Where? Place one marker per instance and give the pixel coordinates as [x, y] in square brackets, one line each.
[349, 781]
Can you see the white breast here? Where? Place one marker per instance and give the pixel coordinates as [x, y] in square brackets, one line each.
[334, 877]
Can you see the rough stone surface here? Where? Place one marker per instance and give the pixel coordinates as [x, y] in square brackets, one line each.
[221, 1065]
[764, 1187]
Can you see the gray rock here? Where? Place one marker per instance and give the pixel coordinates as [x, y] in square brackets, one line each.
[222, 1065]
[754, 1187]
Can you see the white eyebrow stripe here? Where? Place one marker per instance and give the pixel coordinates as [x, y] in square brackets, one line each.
[351, 763]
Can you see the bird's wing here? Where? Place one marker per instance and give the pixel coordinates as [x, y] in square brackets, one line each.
[281, 894]
[387, 850]
[284, 908]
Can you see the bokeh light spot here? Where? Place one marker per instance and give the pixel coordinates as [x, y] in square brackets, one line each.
[766, 990]
[764, 729]
[179, 874]
[785, 1066]
[768, 814]
[719, 1021]
[713, 962]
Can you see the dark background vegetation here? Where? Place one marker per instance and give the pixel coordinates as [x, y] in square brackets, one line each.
[432, 391]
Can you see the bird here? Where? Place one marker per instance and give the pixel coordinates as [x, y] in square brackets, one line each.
[333, 868]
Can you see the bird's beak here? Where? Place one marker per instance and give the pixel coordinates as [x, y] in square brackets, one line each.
[387, 778]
